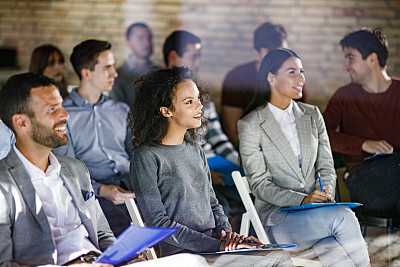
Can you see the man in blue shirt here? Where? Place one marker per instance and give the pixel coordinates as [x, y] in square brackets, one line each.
[139, 41]
[97, 130]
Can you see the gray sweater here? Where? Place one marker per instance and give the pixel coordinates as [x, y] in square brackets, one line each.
[173, 188]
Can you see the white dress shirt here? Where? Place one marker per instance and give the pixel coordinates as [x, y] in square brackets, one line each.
[70, 235]
[287, 121]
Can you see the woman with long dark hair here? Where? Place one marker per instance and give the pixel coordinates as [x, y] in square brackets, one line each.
[283, 146]
[48, 60]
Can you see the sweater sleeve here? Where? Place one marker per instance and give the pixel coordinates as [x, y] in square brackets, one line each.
[342, 143]
[221, 221]
[144, 177]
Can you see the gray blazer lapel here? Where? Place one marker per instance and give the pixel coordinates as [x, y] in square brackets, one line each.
[275, 134]
[24, 183]
[75, 192]
[304, 128]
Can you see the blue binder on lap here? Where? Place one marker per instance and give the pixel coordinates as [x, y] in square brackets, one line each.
[320, 205]
[132, 241]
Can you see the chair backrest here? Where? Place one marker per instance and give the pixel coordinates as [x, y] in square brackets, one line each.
[134, 212]
[137, 221]
[251, 214]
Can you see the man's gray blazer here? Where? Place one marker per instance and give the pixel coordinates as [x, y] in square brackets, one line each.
[271, 167]
[25, 236]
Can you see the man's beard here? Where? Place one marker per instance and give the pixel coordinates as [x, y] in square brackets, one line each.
[46, 136]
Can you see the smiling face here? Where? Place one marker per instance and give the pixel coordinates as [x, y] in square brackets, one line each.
[54, 67]
[104, 73]
[359, 69]
[287, 83]
[50, 118]
[187, 110]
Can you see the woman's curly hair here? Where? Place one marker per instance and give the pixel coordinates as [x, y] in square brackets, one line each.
[158, 89]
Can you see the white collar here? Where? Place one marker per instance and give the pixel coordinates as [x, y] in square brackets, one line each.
[54, 166]
[279, 113]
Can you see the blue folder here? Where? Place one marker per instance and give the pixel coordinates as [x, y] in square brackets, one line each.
[132, 241]
[320, 205]
[222, 165]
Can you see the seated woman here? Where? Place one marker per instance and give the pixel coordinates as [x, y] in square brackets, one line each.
[169, 172]
[48, 60]
[283, 145]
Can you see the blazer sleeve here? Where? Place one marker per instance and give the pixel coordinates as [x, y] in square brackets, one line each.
[6, 244]
[7, 216]
[257, 171]
[324, 163]
[104, 233]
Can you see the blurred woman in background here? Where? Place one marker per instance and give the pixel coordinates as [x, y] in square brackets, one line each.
[48, 60]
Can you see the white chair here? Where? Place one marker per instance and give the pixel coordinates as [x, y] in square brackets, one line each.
[137, 221]
[251, 215]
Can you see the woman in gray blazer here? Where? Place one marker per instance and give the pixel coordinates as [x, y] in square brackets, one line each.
[283, 145]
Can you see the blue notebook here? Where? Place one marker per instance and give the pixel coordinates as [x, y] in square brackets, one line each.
[132, 241]
[320, 205]
[220, 164]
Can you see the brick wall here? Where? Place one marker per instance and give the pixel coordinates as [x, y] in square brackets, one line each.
[226, 27]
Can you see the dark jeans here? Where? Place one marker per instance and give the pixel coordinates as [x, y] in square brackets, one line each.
[225, 195]
[377, 187]
[117, 215]
[228, 197]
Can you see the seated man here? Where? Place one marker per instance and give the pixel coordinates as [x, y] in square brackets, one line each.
[48, 212]
[97, 130]
[362, 119]
[182, 48]
[139, 42]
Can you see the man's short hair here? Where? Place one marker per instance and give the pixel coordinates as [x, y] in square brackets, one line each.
[85, 54]
[15, 95]
[133, 26]
[269, 36]
[178, 41]
[367, 41]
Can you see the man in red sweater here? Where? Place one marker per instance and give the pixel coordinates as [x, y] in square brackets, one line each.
[363, 123]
